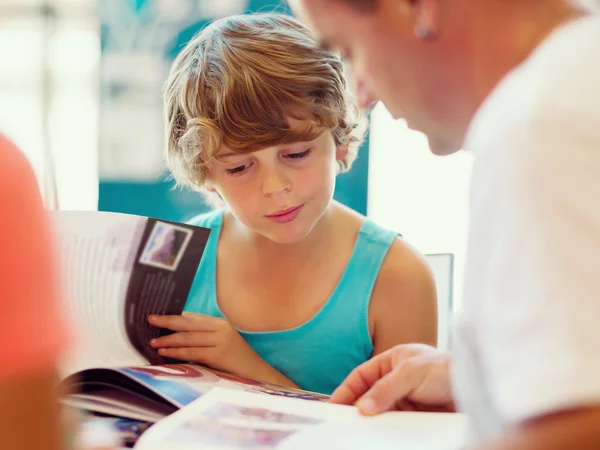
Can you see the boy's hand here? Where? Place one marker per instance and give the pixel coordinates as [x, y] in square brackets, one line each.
[214, 342]
[406, 377]
[206, 340]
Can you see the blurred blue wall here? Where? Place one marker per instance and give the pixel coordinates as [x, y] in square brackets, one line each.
[154, 196]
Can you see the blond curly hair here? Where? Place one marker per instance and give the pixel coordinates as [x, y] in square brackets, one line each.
[237, 83]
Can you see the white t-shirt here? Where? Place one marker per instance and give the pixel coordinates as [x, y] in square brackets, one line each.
[528, 341]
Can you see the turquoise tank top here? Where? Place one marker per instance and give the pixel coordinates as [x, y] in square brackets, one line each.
[319, 354]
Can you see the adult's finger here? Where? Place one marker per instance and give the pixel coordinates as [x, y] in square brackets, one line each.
[361, 379]
[392, 389]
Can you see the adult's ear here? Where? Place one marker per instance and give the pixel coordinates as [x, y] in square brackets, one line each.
[425, 16]
[365, 98]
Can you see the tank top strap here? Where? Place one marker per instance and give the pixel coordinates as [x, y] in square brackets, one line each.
[212, 219]
[371, 248]
[203, 296]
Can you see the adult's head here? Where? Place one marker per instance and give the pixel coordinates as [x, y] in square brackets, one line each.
[432, 62]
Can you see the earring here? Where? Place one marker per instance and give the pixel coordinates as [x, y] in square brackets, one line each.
[425, 33]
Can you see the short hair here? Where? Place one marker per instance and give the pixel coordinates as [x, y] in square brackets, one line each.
[238, 81]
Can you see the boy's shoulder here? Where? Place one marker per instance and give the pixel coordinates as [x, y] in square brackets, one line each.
[403, 268]
[356, 223]
[211, 219]
[405, 283]
[404, 280]
[403, 263]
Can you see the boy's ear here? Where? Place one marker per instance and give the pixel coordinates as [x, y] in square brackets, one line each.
[341, 152]
[209, 186]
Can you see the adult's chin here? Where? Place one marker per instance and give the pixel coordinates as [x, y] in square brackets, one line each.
[442, 147]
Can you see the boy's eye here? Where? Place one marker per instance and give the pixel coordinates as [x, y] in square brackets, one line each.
[239, 169]
[300, 155]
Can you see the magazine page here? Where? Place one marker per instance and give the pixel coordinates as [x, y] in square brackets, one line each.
[228, 420]
[117, 269]
[136, 392]
[394, 430]
[120, 404]
[164, 268]
[181, 384]
[96, 253]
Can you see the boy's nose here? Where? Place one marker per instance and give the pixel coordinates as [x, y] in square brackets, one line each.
[275, 182]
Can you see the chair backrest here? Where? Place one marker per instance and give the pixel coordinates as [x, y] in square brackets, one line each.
[442, 265]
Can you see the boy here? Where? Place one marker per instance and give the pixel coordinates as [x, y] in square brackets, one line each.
[293, 288]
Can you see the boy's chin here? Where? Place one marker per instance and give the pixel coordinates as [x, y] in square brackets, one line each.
[288, 237]
[288, 233]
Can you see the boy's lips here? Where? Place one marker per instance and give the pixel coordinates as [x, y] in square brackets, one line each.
[285, 215]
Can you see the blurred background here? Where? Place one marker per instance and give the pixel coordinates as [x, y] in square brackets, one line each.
[80, 93]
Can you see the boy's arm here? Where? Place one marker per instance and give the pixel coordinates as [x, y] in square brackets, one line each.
[268, 374]
[403, 306]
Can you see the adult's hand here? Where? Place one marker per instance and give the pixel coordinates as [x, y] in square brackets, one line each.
[406, 377]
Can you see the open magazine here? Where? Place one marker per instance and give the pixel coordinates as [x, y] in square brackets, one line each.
[152, 392]
[118, 269]
[228, 420]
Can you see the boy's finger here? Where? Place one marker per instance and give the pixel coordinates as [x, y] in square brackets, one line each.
[187, 339]
[183, 353]
[196, 315]
[182, 323]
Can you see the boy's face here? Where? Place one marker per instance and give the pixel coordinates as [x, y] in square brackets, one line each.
[279, 192]
[389, 63]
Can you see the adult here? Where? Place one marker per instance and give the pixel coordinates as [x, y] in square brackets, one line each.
[517, 83]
